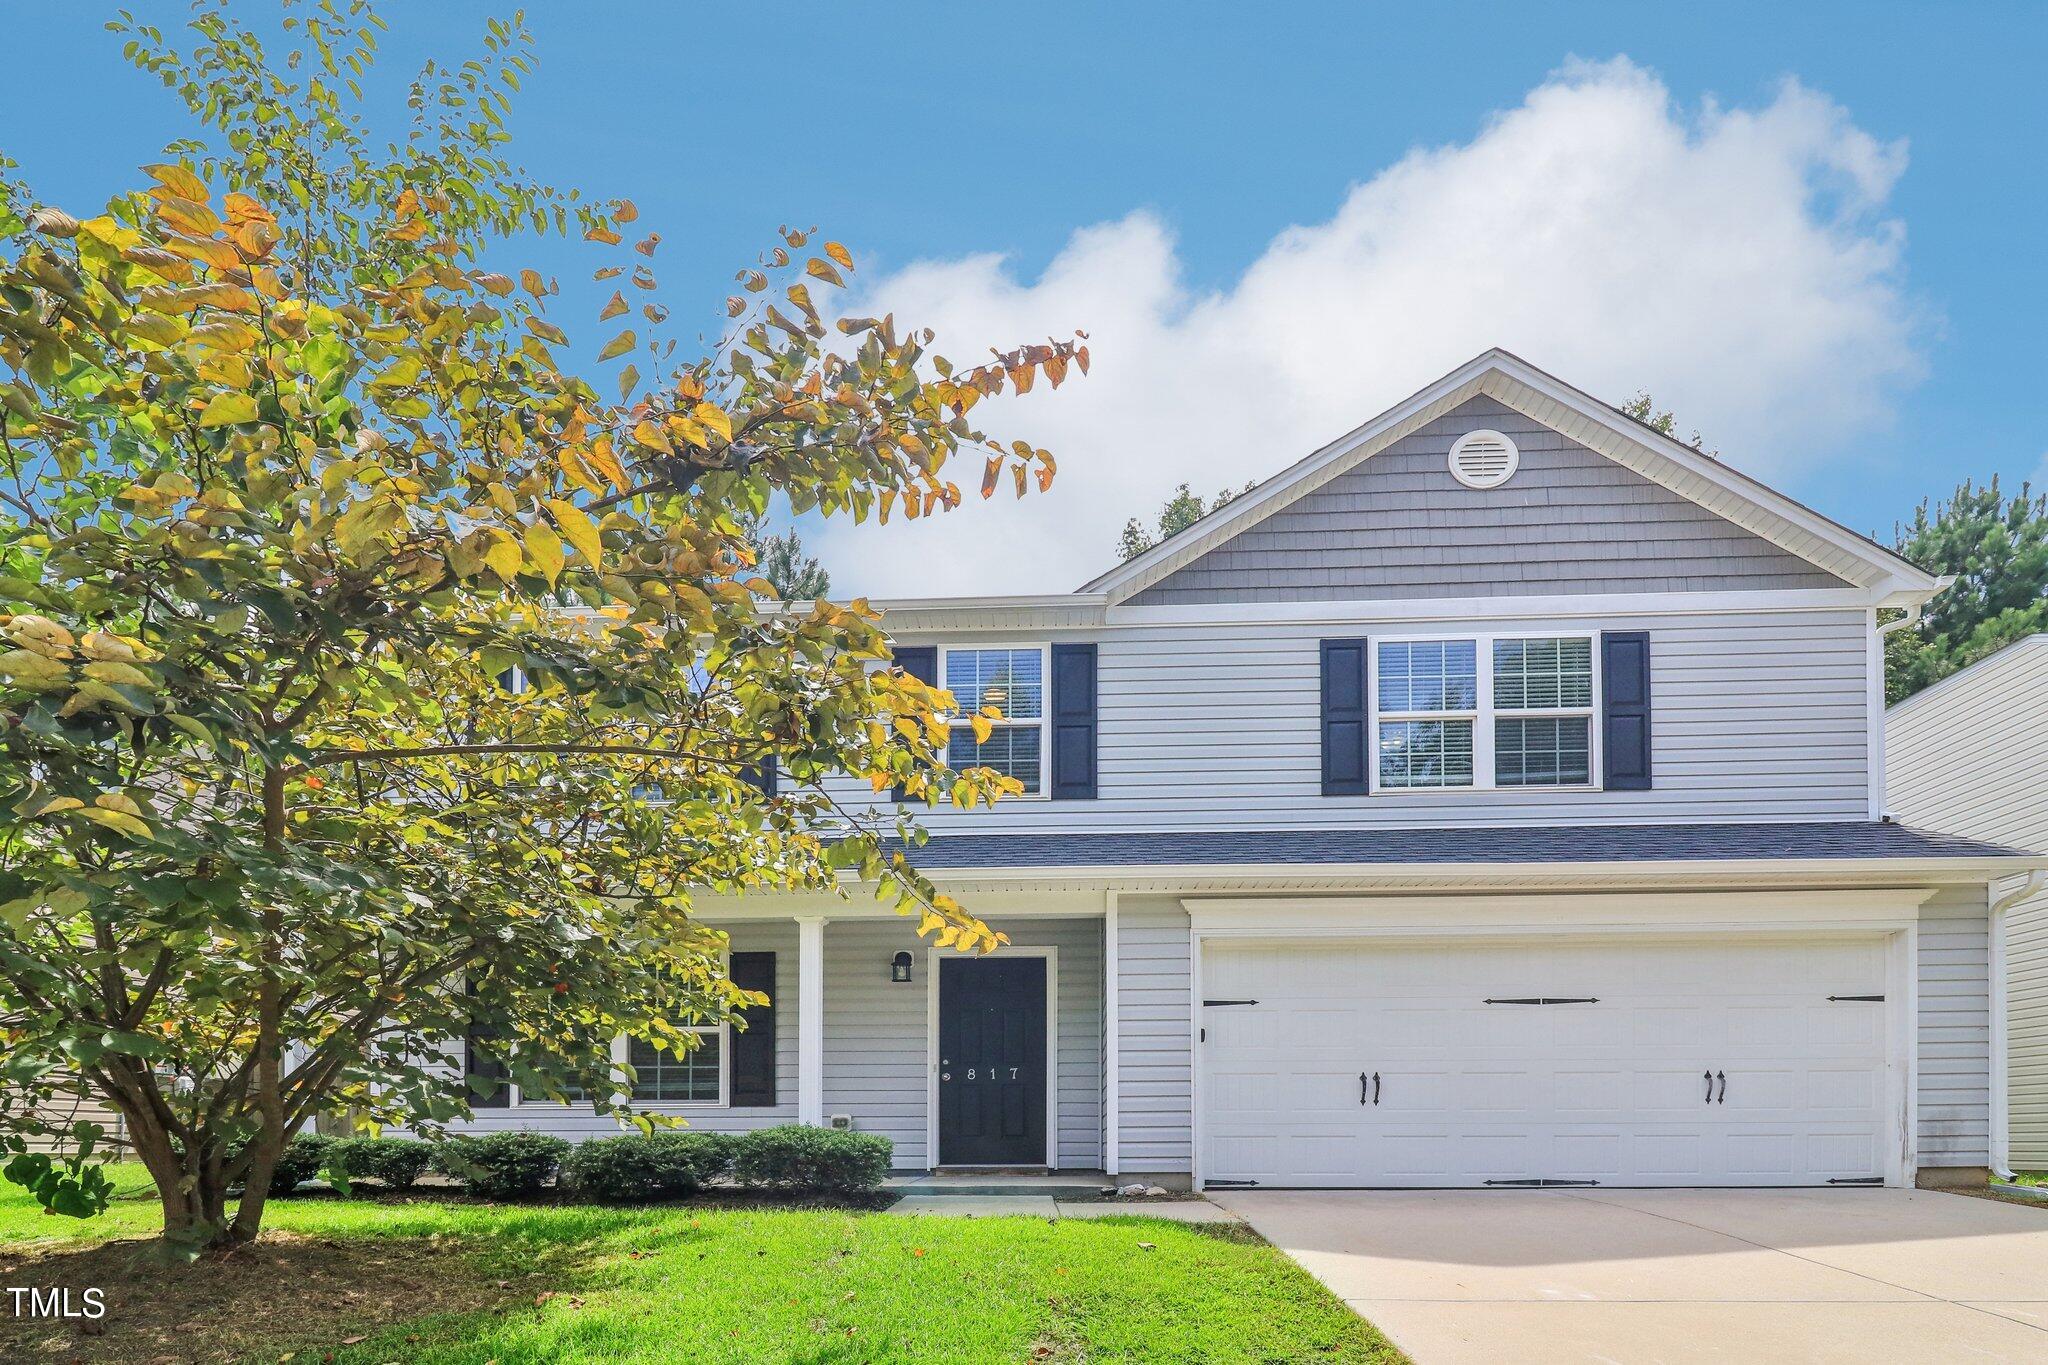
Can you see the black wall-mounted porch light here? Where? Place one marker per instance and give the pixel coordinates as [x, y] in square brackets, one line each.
[899, 968]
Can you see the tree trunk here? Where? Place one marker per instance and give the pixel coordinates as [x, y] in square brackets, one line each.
[190, 1187]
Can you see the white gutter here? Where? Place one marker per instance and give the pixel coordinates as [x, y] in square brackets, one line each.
[1874, 707]
[2001, 1060]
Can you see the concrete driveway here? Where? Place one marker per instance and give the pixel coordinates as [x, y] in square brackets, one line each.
[1675, 1275]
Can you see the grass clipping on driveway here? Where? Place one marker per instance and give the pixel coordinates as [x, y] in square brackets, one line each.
[360, 1281]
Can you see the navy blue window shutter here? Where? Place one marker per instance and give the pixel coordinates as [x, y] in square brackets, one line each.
[767, 775]
[1344, 718]
[753, 1047]
[1625, 723]
[1073, 722]
[922, 663]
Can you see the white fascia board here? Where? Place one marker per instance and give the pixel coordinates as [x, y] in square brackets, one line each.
[1088, 612]
[1495, 608]
[1819, 872]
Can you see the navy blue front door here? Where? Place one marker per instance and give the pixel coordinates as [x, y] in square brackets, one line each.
[992, 1061]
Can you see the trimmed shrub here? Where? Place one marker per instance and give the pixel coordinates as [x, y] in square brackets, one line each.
[304, 1157]
[501, 1165]
[794, 1157]
[638, 1167]
[394, 1163]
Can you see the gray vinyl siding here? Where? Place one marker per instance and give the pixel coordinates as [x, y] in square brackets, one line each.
[1970, 757]
[1569, 521]
[1955, 1029]
[1756, 716]
[2026, 1030]
[875, 1039]
[1155, 1070]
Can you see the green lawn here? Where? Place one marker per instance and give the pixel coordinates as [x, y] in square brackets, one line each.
[446, 1281]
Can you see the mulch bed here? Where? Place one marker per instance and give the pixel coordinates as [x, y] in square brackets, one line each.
[224, 1307]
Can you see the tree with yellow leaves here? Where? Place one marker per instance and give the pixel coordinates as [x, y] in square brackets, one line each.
[375, 679]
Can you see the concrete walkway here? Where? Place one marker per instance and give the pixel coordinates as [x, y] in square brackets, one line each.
[1041, 1206]
[1672, 1276]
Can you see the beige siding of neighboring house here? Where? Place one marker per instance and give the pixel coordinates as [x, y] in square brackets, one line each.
[1970, 757]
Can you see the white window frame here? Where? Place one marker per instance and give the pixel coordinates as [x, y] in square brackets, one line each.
[1482, 718]
[622, 1056]
[1043, 722]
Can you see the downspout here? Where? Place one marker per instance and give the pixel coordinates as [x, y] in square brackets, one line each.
[2001, 1108]
[1876, 683]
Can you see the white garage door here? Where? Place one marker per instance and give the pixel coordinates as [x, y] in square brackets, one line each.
[1697, 1063]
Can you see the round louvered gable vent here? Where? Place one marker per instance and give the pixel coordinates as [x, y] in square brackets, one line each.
[1484, 459]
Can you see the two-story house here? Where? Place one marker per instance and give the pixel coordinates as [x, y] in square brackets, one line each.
[1492, 797]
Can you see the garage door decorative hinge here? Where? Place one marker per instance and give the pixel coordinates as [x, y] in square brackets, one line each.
[1229, 1002]
[1547, 1000]
[1230, 1184]
[1872, 998]
[1544, 1183]
[1858, 1180]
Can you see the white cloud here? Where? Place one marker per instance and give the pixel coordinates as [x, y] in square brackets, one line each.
[1738, 263]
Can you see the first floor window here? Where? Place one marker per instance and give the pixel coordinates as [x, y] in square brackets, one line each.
[1011, 680]
[690, 1077]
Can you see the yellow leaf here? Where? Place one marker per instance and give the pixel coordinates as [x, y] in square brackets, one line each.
[544, 548]
[114, 671]
[981, 728]
[179, 180]
[132, 826]
[599, 455]
[503, 557]
[839, 254]
[823, 270]
[713, 416]
[117, 801]
[628, 378]
[58, 803]
[619, 345]
[611, 310]
[226, 409]
[579, 530]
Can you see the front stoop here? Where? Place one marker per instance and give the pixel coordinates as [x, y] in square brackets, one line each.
[976, 1184]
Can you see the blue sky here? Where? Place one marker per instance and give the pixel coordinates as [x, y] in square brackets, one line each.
[1875, 338]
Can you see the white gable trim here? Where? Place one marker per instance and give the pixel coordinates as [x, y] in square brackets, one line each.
[1726, 492]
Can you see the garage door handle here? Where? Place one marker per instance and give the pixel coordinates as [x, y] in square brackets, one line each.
[1710, 1086]
[1375, 1088]
[1364, 1088]
[1722, 1077]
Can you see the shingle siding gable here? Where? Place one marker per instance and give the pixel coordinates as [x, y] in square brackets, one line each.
[1399, 526]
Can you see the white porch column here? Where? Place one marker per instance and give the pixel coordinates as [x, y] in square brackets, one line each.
[810, 1020]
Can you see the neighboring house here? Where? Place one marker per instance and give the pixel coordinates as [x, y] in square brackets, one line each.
[1970, 755]
[1490, 798]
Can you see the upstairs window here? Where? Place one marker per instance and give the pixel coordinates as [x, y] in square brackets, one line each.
[1011, 679]
[1543, 712]
[1428, 712]
[1483, 712]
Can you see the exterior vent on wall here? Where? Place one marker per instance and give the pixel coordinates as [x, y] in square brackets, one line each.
[1484, 459]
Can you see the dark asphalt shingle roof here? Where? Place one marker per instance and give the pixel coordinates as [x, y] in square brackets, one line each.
[1538, 844]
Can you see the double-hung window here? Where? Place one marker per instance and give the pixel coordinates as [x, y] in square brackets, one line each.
[693, 1077]
[1010, 678]
[1483, 712]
